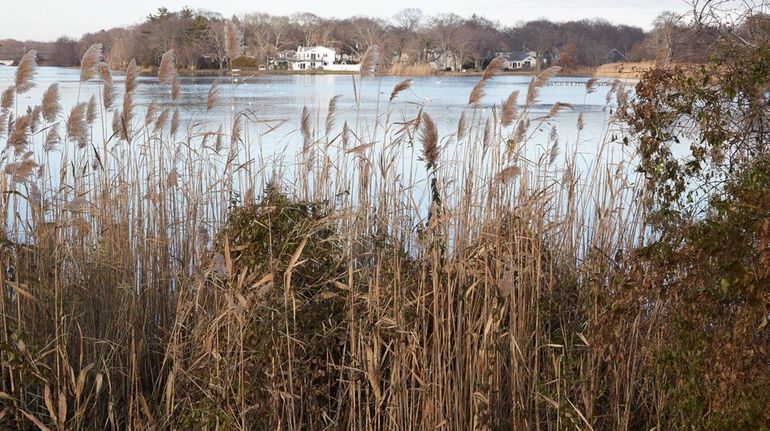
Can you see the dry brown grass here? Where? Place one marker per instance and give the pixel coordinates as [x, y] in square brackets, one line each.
[172, 283]
[418, 69]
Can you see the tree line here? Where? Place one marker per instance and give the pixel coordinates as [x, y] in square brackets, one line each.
[409, 37]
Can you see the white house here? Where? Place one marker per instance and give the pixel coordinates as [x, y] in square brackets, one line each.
[519, 59]
[446, 60]
[315, 57]
[6, 62]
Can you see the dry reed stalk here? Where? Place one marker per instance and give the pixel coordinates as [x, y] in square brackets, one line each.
[7, 98]
[493, 68]
[235, 134]
[461, 127]
[50, 104]
[76, 126]
[401, 86]
[370, 61]
[167, 68]
[233, 41]
[429, 140]
[34, 118]
[160, 123]
[176, 120]
[151, 113]
[127, 113]
[25, 72]
[508, 173]
[90, 61]
[108, 91]
[213, 95]
[591, 85]
[18, 137]
[52, 138]
[508, 109]
[331, 114]
[91, 110]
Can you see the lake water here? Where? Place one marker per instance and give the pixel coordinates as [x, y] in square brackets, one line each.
[281, 98]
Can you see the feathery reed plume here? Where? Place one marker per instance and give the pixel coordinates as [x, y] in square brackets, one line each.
[429, 139]
[233, 41]
[369, 61]
[331, 113]
[117, 123]
[77, 130]
[591, 85]
[493, 68]
[508, 109]
[538, 82]
[18, 138]
[25, 72]
[90, 61]
[476, 94]
[345, 135]
[91, 111]
[508, 173]
[486, 137]
[7, 98]
[108, 92]
[50, 103]
[175, 121]
[3, 118]
[128, 100]
[553, 138]
[152, 112]
[305, 128]
[52, 138]
[211, 99]
[166, 69]
[557, 107]
[401, 86]
[175, 86]
[580, 122]
[21, 171]
[160, 123]
[235, 135]
[461, 127]
[34, 118]
[219, 143]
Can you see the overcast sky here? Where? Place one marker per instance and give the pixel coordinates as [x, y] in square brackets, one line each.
[49, 19]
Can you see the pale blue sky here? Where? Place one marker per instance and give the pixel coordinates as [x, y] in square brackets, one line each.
[48, 19]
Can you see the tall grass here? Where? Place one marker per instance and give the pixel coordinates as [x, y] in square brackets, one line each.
[391, 276]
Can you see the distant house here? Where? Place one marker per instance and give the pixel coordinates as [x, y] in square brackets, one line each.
[444, 61]
[6, 62]
[615, 56]
[313, 58]
[518, 59]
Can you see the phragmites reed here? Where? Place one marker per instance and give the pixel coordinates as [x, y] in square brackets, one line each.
[305, 128]
[176, 119]
[166, 69]
[538, 82]
[508, 109]
[25, 72]
[108, 92]
[151, 113]
[401, 86]
[52, 138]
[91, 111]
[34, 117]
[213, 96]
[580, 122]
[591, 85]
[90, 61]
[553, 139]
[557, 107]
[508, 173]
[160, 123]
[493, 68]
[127, 114]
[77, 129]
[7, 98]
[369, 61]
[18, 138]
[233, 41]
[235, 134]
[345, 135]
[331, 113]
[51, 108]
[219, 143]
[429, 139]
[175, 86]
[461, 127]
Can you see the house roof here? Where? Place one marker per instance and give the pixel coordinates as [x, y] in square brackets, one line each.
[521, 56]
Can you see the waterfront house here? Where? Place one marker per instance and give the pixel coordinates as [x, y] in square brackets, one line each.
[518, 59]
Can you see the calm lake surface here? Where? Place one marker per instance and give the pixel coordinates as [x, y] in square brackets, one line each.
[280, 99]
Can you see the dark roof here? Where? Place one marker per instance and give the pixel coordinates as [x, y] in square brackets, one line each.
[520, 56]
